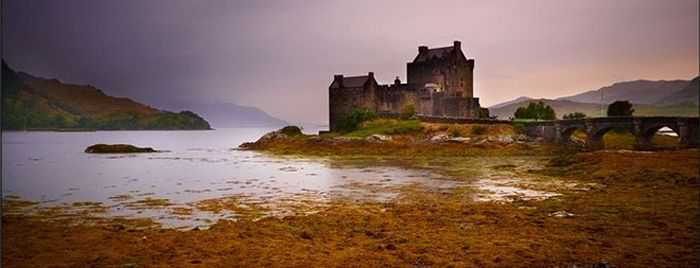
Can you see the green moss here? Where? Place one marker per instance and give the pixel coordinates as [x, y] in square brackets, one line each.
[387, 127]
[357, 117]
[478, 130]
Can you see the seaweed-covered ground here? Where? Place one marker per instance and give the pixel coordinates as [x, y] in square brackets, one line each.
[616, 208]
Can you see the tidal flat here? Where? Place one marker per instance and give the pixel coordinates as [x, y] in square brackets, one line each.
[518, 205]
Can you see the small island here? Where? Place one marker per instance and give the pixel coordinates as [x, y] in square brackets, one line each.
[117, 149]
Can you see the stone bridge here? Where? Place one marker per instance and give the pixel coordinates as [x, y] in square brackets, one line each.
[643, 129]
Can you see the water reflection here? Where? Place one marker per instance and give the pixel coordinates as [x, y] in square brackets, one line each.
[52, 169]
[202, 177]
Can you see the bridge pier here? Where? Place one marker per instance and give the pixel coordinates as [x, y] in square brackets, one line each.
[688, 135]
[593, 141]
[642, 142]
[557, 133]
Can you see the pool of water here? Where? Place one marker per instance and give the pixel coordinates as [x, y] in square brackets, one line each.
[51, 168]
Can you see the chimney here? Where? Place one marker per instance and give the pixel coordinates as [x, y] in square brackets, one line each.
[371, 75]
[458, 45]
[397, 81]
[422, 49]
[338, 78]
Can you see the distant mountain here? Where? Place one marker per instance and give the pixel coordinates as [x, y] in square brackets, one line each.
[688, 96]
[671, 98]
[30, 103]
[503, 104]
[639, 92]
[228, 114]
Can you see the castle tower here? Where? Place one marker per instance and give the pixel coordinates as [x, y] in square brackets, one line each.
[347, 94]
[446, 67]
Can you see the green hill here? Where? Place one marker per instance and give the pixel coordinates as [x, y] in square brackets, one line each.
[33, 103]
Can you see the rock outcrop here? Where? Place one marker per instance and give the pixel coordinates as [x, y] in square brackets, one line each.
[117, 149]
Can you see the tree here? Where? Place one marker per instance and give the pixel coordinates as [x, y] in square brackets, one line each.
[574, 115]
[620, 108]
[536, 110]
[484, 112]
[408, 110]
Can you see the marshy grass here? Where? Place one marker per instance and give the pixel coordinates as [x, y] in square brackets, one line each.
[386, 127]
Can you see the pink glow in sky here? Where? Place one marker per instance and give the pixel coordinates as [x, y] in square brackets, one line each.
[281, 55]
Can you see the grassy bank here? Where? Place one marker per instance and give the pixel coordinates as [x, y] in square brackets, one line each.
[411, 138]
[407, 138]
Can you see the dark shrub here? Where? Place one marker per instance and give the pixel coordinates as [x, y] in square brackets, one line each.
[574, 115]
[291, 131]
[484, 113]
[478, 130]
[353, 120]
[620, 108]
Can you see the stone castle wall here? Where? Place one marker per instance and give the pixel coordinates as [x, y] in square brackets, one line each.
[440, 84]
[342, 101]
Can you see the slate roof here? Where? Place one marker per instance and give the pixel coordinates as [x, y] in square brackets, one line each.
[434, 52]
[352, 81]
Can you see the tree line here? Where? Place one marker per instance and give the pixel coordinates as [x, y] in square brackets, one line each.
[540, 111]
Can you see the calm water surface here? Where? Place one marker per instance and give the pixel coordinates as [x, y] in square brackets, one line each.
[51, 168]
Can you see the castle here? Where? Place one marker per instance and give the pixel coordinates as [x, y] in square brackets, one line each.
[440, 84]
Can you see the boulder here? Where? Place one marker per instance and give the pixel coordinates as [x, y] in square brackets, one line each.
[117, 148]
[439, 137]
[459, 139]
[341, 139]
[378, 138]
[504, 139]
[521, 137]
[482, 143]
[274, 135]
[291, 131]
[283, 133]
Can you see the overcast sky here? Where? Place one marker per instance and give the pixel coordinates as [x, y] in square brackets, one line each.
[281, 55]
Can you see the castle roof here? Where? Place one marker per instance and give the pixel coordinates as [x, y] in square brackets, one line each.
[433, 52]
[355, 81]
[352, 81]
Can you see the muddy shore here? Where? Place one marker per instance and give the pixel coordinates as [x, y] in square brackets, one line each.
[642, 215]
[610, 208]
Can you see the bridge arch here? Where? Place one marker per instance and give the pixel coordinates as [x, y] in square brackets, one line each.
[645, 139]
[568, 132]
[595, 137]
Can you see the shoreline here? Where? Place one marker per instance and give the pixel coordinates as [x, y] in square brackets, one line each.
[607, 222]
[513, 203]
